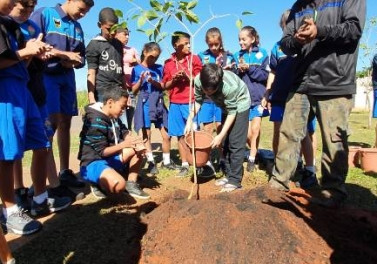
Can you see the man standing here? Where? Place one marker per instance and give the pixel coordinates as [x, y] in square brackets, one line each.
[325, 35]
[62, 31]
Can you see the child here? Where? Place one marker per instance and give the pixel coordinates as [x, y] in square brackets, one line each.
[209, 112]
[21, 127]
[21, 12]
[130, 59]
[278, 86]
[104, 55]
[176, 79]
[252, 64]
[231, 94]
[146, 80]
[105, 147]
[61, 30]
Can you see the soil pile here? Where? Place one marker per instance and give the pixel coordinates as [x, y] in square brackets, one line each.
[240, 228]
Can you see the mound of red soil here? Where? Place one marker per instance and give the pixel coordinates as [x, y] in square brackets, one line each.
[240, 228]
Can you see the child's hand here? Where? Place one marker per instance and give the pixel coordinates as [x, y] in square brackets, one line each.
[73, 57]
[220, 59]
[229, 66]
[217, 141]
[243, 67]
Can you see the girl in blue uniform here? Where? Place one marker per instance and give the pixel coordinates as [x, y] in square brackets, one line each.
[146, 81]
[252, 68]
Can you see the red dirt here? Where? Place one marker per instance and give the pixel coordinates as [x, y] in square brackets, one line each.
[240, 228]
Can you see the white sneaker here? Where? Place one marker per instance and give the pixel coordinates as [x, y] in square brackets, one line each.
[221, 182]
[229, 188]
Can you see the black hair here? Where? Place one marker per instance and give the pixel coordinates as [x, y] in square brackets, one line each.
[88, 3]
[114, 93]
[26, 2]
[211, 76]
[253, 33]
[177, 35]
[212, 32]
[150, 46]
[107, 14]
[122, 29]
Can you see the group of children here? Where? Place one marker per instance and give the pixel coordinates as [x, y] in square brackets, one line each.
[228, 90]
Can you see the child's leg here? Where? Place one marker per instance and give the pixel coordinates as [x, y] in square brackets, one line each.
[112, 181]
[7, 183]
[52, 174]
[146, 134]
[38, 170]
[181, 149]
[62, 122]
[307, 150]
[166, 145]
[253, 135]
[17, 175]
[134, 160]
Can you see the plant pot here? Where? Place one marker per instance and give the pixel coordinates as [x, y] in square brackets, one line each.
[202, 147]
[368, 158]
[354, 156]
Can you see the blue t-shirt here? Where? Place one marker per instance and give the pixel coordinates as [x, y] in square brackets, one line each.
[61, 32]
[283, 67]
[156, 74]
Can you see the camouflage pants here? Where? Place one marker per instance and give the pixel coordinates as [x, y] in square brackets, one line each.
[332, 113]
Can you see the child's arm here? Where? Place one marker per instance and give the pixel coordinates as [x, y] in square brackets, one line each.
[224, 130]
[259, 73]
[137, 81]
[129, 142]
[91, 83]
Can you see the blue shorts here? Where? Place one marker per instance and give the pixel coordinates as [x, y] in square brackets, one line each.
[209, 112]
[93, 171]
[177, 118]
[21, 126]
[257, 111]
[61, 93]
[375, 104]
[147, 120]
[277, 113]
[46, 122]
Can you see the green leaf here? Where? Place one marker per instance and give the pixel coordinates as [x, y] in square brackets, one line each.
[141, 21]
[157, 29]
[166, 7]
[123, 24]
[118, 13]
[149, 32]
[247, 13]
[114, 28]
[192, 17]
[183, 5]
[156, 5]
[179, 16]
[135, 16]
[151, 15]
[162, 36]
[140, 30]
[192, 4]
[239, 23]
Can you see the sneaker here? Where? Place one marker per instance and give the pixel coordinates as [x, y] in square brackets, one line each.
[64, 191]
[135, 191]
[308, 180]
[152, 168]
[250, 166]
[69, 179]
[21, 224]
[221, 182]
[170, 166]
[97, 191]
[205, 172]
[183, 172]
[50, 205]
[229, 188]
[22, 198]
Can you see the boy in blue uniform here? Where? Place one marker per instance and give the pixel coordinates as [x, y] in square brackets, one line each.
[21, 126]
[62, 31]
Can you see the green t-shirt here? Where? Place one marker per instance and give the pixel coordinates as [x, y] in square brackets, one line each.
[232, 97]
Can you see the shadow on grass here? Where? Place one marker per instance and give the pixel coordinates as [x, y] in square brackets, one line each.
[108, 231]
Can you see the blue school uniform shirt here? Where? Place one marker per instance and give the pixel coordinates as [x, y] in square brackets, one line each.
[149, 93]
[29, 30]
[61, 32]
[256, 77]
[208, 57]
[9, 46]
[283, 67]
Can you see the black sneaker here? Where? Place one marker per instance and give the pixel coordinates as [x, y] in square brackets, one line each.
[135, 191]
[250, 166]
[152, 168]
[308, 180]
[205, 172]
[170, 166]
[183, 172]
[22, 198]
[20, 223]
[50, 205]
[69, 179]
[64, 191]
[97, 191]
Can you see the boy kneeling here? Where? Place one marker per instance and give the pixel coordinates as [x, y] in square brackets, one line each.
[106, 148]
[231, 94]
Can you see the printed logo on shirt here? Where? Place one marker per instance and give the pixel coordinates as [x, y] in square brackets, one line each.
[111, 66]
[105, 55]
[78, 30]
[57, 23]
[259, 55]
[31, 30]
[206, 59]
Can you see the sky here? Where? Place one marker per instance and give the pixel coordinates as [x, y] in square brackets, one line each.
[265, 18]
